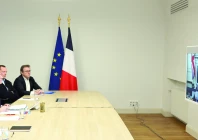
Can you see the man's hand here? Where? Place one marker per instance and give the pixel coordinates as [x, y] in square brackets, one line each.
[4, 108]
[41, 91]
[37, 91]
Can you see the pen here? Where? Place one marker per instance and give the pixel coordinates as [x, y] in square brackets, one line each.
[12, 134]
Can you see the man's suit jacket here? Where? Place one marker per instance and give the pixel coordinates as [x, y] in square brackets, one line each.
[9, 94]
[20, 86]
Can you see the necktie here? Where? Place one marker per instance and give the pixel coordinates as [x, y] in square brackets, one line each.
[3, 81]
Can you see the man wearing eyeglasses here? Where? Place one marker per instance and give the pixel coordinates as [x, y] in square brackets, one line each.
[25, 84]
[7, 92]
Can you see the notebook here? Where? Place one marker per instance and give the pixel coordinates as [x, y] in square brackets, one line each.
[20, 128]
[61, 100]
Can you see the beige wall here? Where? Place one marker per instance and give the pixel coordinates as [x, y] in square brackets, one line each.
[182, 32]
[118, 45]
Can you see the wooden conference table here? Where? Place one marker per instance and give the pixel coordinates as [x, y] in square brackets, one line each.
[86, 116]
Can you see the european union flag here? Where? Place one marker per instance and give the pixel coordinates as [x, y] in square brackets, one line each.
[57, 63]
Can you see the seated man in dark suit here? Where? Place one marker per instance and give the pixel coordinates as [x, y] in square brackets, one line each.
[25, 84]
[7, 92]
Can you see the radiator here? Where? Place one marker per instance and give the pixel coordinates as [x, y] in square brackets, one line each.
[179, 106]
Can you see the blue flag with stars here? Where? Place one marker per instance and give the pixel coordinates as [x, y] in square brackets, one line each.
[57, 63]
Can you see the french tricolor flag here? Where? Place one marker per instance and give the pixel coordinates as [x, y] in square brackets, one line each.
[68, 76]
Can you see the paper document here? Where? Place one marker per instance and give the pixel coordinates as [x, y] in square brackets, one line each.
[9, 118]
[17, 107]
[36, 106]
[9, 112]
[27, 99]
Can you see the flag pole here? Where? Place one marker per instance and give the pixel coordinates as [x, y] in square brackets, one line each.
[68, 75]
[59, 20]
[57, 61]
[68, 20]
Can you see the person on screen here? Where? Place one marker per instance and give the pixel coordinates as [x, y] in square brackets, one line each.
[194, 96]
[25, 84]
[7, 92]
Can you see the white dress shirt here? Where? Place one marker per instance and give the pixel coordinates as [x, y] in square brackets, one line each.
[27, 84]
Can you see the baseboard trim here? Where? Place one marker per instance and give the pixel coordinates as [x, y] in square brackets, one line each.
[191, 131]
[141, 110]
[166, 114]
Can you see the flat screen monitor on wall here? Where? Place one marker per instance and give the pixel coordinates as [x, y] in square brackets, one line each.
[192, 74]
